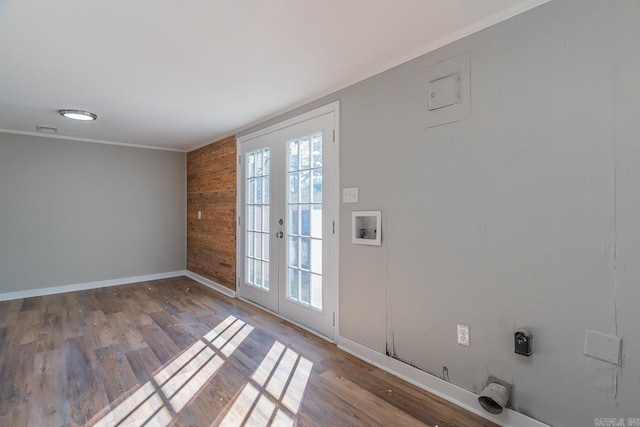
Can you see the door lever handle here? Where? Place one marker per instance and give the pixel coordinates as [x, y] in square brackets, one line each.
[279, 234]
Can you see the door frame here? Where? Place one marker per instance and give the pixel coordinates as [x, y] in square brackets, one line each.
[334, 108]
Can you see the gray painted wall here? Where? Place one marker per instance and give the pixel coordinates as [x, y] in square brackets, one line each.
[74, 212]
[524, 215]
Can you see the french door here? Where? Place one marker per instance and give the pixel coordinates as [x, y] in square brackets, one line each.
[287, 229]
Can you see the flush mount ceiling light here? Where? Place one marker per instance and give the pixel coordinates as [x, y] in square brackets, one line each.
[78, 114]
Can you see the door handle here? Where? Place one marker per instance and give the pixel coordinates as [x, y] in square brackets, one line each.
[279, 234]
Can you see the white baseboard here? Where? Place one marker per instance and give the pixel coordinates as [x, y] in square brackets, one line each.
[88, 285]
[435, 385]
[210, 284]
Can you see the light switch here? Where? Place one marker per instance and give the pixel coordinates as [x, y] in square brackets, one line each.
[350, 195]
[602, 346]
[444, 91]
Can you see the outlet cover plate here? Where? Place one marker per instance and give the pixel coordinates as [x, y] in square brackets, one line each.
[463, 335]
[350, 195]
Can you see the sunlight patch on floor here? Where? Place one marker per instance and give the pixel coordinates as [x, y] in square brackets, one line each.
[261, 401]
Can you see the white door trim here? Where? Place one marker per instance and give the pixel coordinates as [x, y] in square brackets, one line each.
[329, 108]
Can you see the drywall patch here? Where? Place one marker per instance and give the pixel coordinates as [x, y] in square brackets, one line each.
[448, 91]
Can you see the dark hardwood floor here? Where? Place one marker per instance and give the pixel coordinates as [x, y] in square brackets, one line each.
[173, 352]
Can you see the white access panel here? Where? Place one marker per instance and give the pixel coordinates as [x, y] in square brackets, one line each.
[444, 92]
[448, 91]
[603, 346]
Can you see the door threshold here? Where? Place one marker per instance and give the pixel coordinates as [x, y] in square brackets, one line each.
[306, 328]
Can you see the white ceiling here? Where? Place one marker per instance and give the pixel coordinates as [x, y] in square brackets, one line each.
[176, 74]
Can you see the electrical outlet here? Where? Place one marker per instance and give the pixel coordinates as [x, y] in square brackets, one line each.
[463, 335]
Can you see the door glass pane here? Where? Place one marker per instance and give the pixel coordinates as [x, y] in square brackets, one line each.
[305, 287]
[259, 191]
[265, 217]
[305, 185]
[293, 220]
[293, 251]
[257, 217]
[305, 254]
[265, 247]
[293, 155]
[267, 162]
[250, 209]
[259, 163]
[292, 284]
[305, 221]
[317, 186]
[304, 215]
[316, 150]
[251, 171]
[251, 191]
[293, 187]
[258, 250]
[316, 291]
[304, 153]
[316, 256]
[316, 221]
[250, 243]
[265, 274]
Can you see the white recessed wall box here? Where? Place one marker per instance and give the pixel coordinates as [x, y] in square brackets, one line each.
[448, 91]
[365, 227]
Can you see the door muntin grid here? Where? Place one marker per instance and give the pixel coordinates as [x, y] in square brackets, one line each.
[257, 216]
[304, 218]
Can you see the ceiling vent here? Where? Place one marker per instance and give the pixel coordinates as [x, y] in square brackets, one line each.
[46, 129]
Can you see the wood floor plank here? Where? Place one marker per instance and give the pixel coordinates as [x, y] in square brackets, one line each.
[9, 311]
[50, 336]
[16, 377]
[86, 394]
[216, 398]
[18, 416]
[98, 332]
[49, 390]
[163, 347]
[169, 325]
[72, 319]
[29, 325]
[377, 408]
[174, 352]
[143, 363]
[31, 304]
[115, 373]
[124, 331]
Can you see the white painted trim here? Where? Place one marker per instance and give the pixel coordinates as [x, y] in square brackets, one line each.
[239, 218]
[210, 284]
[265, 309]
[93, 141]
[333, 107]
[336, 213]
[503, 15]
[88, 285]
[454, 394]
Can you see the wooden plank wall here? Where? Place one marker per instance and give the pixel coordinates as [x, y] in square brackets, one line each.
[211, 189]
